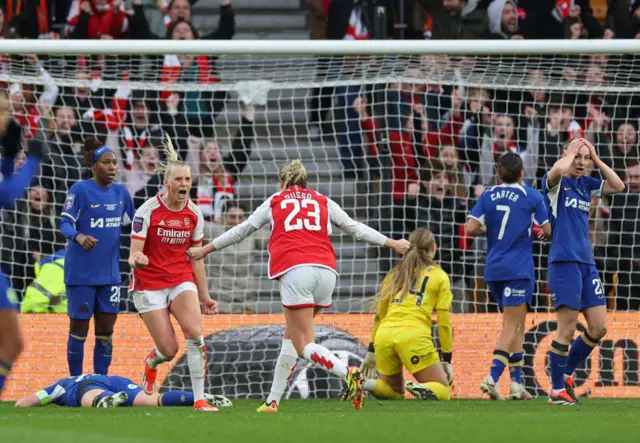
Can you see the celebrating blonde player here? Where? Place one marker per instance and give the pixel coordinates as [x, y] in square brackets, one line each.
[303, 261]
[401, 333]
[165, 281]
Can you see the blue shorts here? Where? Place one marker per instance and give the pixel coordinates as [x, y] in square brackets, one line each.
[83, 301]
[8, 298]
[511, 292]
[576, 285]
[114, 384]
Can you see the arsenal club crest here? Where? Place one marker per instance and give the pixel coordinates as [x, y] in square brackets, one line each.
[187, 222]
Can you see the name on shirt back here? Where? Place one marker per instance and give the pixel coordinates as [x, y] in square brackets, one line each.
[298, 194]
[504, 193]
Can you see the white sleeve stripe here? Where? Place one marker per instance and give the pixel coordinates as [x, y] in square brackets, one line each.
[69, 216]
[479, 220]
[544, 222]
[546, 184]
[598, 192]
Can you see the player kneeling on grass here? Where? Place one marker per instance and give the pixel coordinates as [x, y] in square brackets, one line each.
[109, 391]
[401, 333]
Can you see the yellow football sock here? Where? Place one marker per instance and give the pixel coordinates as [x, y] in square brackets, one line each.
[442, 392]
[383, 391]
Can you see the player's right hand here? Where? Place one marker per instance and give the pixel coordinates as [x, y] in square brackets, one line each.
[86, 241]
[368, 366]
[448, 369]
[196, 253]
[139, 260]
[401, 246]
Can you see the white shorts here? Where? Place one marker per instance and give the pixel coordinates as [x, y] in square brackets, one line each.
[307, 286]
[147, 301]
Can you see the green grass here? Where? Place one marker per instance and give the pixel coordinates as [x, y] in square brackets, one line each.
[330, 421]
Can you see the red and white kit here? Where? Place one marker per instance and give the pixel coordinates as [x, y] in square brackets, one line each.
[301, 222]
[167, 235]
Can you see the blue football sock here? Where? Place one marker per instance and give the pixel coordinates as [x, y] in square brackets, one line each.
[102, 354]
[101, 396]
[558, 361]
[5, 368]
[176, 398]
[75, 353]
[515, 366]
[499, 362]
[580, 350]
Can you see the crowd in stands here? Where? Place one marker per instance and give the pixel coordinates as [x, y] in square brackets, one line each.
[435, 144]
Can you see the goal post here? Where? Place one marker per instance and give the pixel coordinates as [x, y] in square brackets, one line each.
[400, 133]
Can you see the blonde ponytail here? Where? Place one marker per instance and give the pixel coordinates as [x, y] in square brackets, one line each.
[402, 276]
[172, 159]
[293, 173]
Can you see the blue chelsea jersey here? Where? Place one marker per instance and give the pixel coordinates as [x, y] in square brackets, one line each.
[509, 211]
[569, 203]
[101, 213]
[66, 391]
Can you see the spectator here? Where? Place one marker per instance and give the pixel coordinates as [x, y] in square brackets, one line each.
[65, 163]
[142, 179]
[139, 133]
[214, 184]
[98, 111]
[97, 19]
[456, 19]
[625, 144]
[35, 19]
[458, 175]
[34, 226]
[321, 98]
[47, 293]
[502, 137]
[27, 104]
[443, 213]
[181, 10]
[625, 239]
[545, 19]
[503, 20]
[199, 107]
[561, 127]
[230, 273]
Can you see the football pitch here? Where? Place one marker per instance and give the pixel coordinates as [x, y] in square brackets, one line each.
[330, 421]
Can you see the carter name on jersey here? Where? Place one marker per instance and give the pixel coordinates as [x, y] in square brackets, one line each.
[173, 236]
[504, 193]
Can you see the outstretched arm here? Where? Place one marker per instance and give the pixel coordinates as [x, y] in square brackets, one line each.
[30, 401]
[257, 220]
[362, 232]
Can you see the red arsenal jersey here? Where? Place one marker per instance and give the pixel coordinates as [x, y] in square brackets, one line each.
[167, 235]
[300, 229]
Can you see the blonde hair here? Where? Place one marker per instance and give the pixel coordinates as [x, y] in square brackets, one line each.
[403, 275]
[293, 173]
[171, 158]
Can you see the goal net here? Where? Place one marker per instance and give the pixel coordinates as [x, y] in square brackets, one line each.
[398, 140]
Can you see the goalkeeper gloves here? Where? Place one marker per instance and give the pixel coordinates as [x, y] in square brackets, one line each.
[448, 369]
[368, 366]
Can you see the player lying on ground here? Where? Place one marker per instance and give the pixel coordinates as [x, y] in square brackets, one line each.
[93, 215]
[109, 391]
[303, 261]
[166, 283]
[506, 213]
[574, 281]
[401, 332]
[11, 187]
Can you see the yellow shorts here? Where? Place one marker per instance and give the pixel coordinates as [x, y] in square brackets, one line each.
[409, 347]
